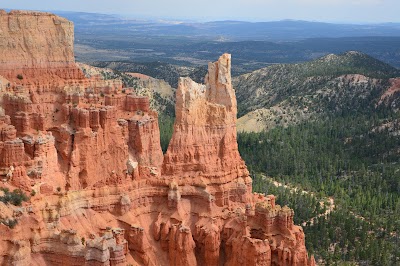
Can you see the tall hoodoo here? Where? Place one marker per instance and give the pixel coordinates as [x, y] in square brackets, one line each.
[204, 139]
[219, 85]
[88, 152]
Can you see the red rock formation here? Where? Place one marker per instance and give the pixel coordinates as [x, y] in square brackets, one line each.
[89, 147]
[387, 98]
[104, 194]
[26, 33]
[204, 140]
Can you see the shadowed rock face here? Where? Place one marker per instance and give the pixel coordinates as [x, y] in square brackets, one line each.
[103, 194]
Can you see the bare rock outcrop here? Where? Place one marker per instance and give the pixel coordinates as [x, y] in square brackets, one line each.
[389, 98]
[204, 139]
[27, 54]
[204, 143]
[88, 152]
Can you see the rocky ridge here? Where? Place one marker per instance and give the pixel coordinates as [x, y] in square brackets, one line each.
[104, 194]
[287, 94]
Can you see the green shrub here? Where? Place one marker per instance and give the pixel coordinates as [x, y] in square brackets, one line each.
[15, 198]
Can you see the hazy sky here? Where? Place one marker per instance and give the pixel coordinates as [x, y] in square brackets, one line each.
[254, 10]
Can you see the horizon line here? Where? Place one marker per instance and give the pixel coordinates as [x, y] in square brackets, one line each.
[198, 20]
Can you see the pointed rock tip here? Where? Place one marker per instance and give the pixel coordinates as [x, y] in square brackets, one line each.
[224, 60]
[225, 56]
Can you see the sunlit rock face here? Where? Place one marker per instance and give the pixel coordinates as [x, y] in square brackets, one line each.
[36, 48]
[204, 144]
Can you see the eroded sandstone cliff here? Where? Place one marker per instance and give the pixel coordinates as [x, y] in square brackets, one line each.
[103, 193]
[203, 147]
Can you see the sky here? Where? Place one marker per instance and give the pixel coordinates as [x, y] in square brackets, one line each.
[353, 11]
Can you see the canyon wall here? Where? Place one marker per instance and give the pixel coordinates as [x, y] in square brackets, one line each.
[87, 151]
[36, 47]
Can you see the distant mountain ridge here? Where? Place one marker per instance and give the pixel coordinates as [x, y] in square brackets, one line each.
[290, 93]
[102, 37]
[230, 29]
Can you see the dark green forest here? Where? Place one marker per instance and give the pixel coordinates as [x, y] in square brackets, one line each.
[352, 159]
[166, 129]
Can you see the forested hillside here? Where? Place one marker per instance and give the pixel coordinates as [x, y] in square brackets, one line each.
[338, 166]
[352, 159]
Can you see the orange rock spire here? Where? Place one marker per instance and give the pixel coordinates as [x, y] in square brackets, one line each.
[204, 144]
[204, 140]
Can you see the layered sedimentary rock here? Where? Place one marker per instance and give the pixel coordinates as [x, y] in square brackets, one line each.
[88, 152]
[27, 54]
[204, 139]
[204, 145]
